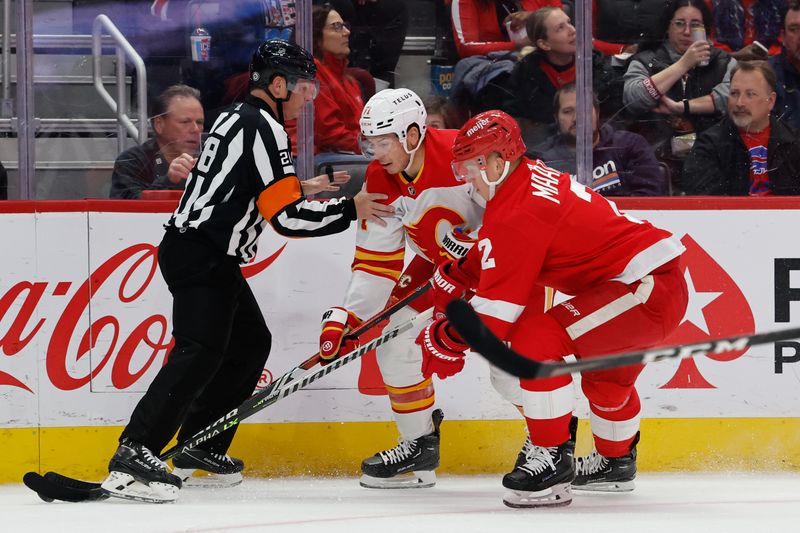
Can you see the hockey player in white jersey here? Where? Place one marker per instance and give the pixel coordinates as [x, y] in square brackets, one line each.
[434, 213]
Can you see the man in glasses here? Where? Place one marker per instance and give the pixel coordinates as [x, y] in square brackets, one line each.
[629, 293]
[243, 179]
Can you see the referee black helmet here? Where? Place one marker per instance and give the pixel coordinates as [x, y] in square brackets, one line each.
[277, 57]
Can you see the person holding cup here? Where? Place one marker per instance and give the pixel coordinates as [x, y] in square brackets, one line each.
[678, 87]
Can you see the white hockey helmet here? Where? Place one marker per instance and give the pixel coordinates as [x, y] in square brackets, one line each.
[394, 111]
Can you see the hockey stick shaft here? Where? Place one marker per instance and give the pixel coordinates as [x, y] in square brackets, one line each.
[472, 329]
[303, 374]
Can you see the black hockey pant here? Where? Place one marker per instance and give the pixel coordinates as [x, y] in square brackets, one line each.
[221, 346]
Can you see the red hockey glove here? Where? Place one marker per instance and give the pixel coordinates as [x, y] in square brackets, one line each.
[333, 341]
[442, 350]
[449, 283]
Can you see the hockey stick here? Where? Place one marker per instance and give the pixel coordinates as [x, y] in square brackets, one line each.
[472, 329]
[294, 380]
[54, 486]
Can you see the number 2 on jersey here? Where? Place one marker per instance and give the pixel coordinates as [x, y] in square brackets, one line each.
[485, 247]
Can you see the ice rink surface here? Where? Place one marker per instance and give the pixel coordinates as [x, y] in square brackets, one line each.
[708, 503]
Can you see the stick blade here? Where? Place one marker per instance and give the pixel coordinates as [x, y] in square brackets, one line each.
[472, 329]
[54, 486]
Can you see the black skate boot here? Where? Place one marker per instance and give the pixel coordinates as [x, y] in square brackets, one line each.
[136, 473]
[543, 479]
[527, 445]
[410, 464]
[606, 474]
[216, 469]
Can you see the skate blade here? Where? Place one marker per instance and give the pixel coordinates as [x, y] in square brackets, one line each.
[555, 496]
[124, 486]
[200, 478]
[411, 480]
[607, 486]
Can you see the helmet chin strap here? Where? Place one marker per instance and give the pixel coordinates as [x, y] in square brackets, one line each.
[410, 153]
[493, 184]
[278, 104]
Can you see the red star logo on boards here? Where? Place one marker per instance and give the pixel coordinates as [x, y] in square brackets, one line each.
[717, 308]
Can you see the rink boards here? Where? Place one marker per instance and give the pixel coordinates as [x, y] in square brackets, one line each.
[85, 325]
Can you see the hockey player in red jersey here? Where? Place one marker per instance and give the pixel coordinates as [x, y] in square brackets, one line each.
[434, 213]
[628, 293]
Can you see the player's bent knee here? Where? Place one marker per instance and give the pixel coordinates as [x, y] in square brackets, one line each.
[607, 395]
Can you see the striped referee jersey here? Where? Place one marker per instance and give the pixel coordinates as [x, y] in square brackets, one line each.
[247, 159]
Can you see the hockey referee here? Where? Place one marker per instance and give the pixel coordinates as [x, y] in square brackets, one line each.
[243, 178]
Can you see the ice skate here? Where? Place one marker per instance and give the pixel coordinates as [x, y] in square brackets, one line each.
[199, 468]
[527, 445]
[410, 464]
[135, 473]
[544, 479]
[606, 474]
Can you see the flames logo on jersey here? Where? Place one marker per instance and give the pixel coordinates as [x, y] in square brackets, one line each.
[428, 232]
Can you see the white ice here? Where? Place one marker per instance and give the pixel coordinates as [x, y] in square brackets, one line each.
[708, 503]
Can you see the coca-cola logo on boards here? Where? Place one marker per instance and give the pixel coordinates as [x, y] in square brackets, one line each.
[147, 342]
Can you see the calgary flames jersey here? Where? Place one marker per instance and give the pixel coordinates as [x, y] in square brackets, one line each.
[542, 229]
[427, 208]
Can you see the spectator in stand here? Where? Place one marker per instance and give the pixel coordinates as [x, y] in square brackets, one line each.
[379, 31]
[679, 87]
[163, 162]
[440, 114]
[749, 152]
[338, 106]
[537, 76]
[624, 163]
[787, 69]
[482, 26]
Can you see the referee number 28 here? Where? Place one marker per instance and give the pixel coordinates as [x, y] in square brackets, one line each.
[209, 151]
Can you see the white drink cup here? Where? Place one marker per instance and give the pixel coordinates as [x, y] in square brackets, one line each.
[699, 34]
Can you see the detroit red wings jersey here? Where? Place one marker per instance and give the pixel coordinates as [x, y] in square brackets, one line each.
[544, 229]
[426, 209]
